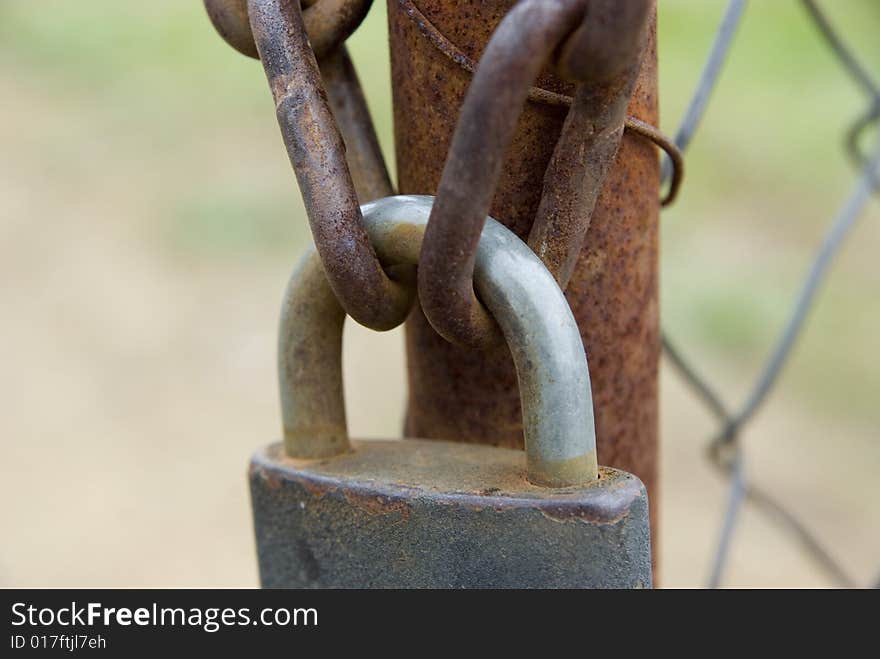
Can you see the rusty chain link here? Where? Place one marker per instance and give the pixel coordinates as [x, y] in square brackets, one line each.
[327, 22]
[544, 96]
[281, 32]
[576, 172]
[597, 44]
[519, 48]
[531, 34]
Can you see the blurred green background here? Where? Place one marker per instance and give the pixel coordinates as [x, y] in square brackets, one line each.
[150, 218]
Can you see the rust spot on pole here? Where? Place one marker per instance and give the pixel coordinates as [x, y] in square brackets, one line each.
[459, 393]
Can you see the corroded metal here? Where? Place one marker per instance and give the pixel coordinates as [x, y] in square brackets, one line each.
[603, 46]
[670, 148]
[328, 23]
[520, 47]
[330, 512]
[362, 150]
[576, 173]
[518, 290]
[317, 153]
[428, 514]
[465, 394]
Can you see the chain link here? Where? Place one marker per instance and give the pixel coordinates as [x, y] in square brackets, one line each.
[520, 46]
[285, 39]
[725, 450]
[327, 22]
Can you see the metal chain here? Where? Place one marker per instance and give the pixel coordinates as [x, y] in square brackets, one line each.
[286, 40]
[597, 45]
[725, 449]
[329, 22]
[519, 48]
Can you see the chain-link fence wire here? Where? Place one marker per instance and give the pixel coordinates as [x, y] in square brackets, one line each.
[724, 447]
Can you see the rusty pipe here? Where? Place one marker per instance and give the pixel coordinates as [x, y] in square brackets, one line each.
[470, 395]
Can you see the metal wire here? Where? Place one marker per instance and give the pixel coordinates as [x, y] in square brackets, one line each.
[696, 381]
[783, 517]
[858, 73]
[853, 138]
[844, 54]
[726, 452]
[735, 500]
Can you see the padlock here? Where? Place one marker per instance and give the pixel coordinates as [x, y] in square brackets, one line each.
[330, 512]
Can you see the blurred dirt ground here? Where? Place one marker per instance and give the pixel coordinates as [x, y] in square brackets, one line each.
[149, 222]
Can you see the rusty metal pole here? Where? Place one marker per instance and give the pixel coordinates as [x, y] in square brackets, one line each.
[458, 393]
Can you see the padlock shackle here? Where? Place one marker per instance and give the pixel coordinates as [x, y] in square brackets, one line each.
[525, 300]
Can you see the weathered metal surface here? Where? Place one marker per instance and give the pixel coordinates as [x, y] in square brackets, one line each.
[464, 394]
[362, 151]
[520, 47]
[576, 173]
[317, 153]
[328, 23]
[518, 290]
[421, 514]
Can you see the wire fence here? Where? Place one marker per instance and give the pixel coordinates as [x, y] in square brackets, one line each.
[726, 451]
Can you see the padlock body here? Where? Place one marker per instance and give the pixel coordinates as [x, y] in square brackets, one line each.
[433, 514]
